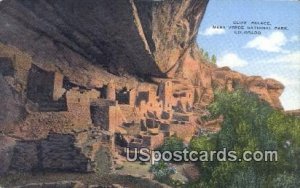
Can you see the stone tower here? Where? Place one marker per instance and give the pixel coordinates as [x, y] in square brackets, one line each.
[167, 95]
[111, 91]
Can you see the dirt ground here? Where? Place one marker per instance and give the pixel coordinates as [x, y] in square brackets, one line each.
[87, 179]
[131, 174]
[138, 169]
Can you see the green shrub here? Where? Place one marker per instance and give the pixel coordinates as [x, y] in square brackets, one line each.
[162, 171]
[172, 144]
[250, 124]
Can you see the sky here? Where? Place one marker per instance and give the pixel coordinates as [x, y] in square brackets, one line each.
[274, 53]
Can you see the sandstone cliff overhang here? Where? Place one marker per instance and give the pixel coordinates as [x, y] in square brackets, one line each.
[127, 36]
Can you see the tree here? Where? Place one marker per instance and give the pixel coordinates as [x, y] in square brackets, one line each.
[250, 124]
[286, 181]
[201, 51]
[172, 144]
[214, 59]
[206, 56]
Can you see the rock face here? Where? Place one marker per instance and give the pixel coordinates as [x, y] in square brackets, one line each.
[293, 112]
[268, 90]
[135, 36]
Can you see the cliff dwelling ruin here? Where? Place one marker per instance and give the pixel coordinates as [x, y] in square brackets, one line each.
[115, 117]
[75, 95]
[79, 122]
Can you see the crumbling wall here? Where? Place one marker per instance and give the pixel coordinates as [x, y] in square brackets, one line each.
[60, 152]
[107, 115]
[78, 102]
[99, 113]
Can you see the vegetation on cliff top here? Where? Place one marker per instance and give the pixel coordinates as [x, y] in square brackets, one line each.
[206, 56]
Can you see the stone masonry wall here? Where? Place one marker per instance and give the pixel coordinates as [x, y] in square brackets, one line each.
[61, 152]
